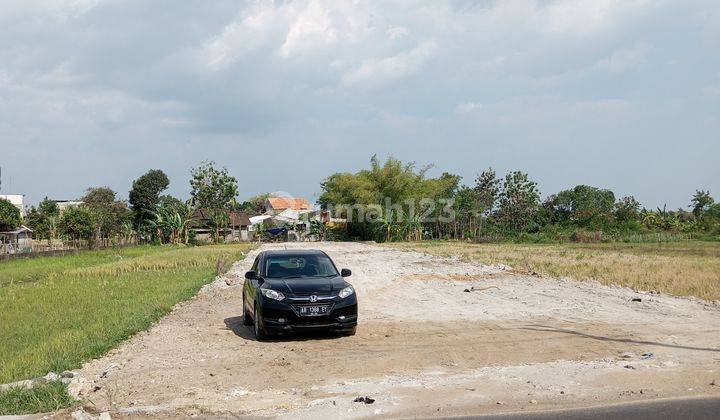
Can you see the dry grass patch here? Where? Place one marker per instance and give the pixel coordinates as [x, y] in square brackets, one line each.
[681, 269]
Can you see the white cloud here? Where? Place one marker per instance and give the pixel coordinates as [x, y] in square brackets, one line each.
[5, 79]
[397, 32]
[712, 91]
[55, 9]
[467, 107]
[310, 71]
[248, 33]
[312, 26]
[60, 75]
[548, 110]
[585, 17]
[374, 71]
[623, 59]
[353, 43]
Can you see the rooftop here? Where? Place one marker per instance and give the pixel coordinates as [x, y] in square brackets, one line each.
[282, 203]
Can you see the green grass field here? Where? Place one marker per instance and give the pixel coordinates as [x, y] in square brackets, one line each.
[40, 399]
[686, 268]
[57, 312]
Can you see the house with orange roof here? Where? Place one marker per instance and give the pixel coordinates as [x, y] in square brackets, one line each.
[277, 205]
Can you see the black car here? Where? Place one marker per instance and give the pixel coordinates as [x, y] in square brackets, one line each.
[295, 290]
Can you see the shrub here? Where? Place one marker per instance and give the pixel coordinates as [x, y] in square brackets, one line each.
[9, 215]
[584, 236]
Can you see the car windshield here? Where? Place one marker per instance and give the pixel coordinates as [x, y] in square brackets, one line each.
[299, 266]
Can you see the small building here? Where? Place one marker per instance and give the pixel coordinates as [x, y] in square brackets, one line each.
[15, 241]
[256, 222]
[63, 205]
[17, 200]
[238, 228]
[276, 205]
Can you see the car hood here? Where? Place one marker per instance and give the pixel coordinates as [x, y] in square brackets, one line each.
[308, 285]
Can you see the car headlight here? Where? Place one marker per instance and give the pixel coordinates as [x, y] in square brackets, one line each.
[346, 292]
[273, 294]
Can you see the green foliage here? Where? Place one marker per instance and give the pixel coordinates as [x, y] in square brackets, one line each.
[48, 208]
[44, 220]
[44, 398]
[582, 206]
[171, 222]
[706, 212]
[145, 194]
[467, 213]
[627, 209]
[77, 223]
[253, 205]
[500, 209]
[171, 203]
[213, 188]
[318, 229]
[10, 217]
[219, 222]
[487, 188]
[701, 203]
[486, 191]
[519, 202]
[386, 201]
[108, 215]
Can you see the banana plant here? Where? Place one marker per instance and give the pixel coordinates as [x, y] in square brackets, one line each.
[172, 224]
[219, 220]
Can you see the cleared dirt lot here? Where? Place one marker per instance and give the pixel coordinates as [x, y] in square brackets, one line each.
[424, 347]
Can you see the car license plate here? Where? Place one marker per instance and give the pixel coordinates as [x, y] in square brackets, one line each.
[313, 310]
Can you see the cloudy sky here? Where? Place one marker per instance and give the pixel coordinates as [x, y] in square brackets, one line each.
[620, 94]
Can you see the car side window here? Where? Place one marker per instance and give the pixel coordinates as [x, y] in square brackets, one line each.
[255, 264]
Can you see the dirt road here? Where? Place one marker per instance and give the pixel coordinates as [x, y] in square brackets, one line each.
[424, 347]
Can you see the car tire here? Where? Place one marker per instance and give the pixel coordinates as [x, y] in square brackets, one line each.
[348, 333]
[257, 328]
[247, 319]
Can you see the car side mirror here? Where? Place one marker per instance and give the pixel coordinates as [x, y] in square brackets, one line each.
[345, 272]
[251, 275]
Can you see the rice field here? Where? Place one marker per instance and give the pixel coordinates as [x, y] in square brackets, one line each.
[687, 268]
[57, 312]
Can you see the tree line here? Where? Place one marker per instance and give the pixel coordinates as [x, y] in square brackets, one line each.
[149, 216]
[399, 201]
[496, 208]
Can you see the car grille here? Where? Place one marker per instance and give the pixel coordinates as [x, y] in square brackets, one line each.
[321, 293]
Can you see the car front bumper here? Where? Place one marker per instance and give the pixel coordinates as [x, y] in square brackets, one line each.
[279, 317]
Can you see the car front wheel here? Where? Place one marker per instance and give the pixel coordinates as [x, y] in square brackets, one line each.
[349, 332]
[247, 319]
[257, 326]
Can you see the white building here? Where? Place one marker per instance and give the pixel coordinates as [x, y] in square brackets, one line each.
[66, 204]
[17, 200]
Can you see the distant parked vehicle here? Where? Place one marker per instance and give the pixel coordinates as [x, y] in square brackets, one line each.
[296, 290]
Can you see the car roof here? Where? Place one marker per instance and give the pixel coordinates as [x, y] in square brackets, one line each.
[281, 252]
